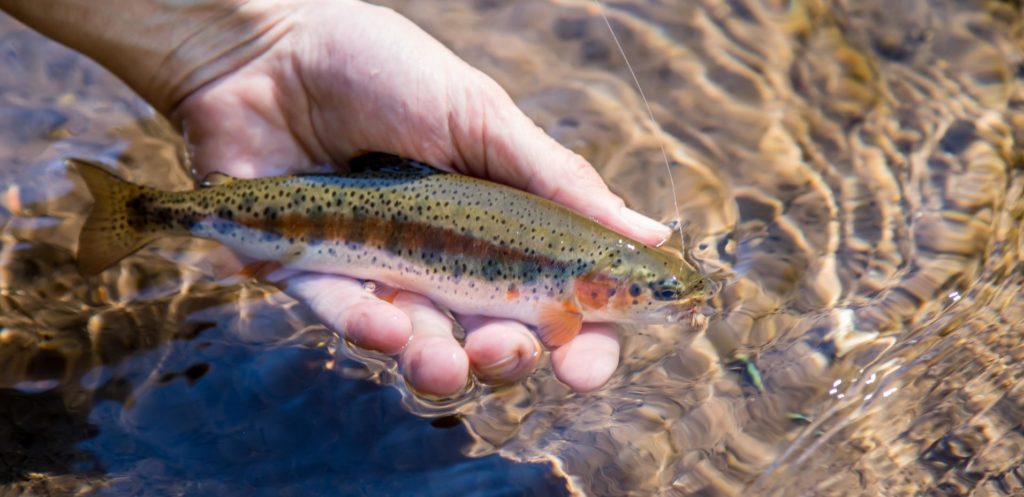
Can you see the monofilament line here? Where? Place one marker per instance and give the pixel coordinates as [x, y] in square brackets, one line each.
[654, 122]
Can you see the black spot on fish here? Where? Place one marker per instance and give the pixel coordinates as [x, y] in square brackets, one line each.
[634, 290]
[223, 228]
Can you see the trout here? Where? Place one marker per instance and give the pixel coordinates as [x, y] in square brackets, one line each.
[472, 246]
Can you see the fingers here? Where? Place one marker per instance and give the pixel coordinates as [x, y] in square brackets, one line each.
[500, 350]
[346, 307]
[588, 361]
[433, 362]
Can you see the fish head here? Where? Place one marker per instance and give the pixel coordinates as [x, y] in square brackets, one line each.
[645, 285]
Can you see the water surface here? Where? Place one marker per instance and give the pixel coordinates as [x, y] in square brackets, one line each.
[852, 166]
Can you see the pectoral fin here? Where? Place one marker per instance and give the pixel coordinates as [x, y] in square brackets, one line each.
[385, 293]
[559, 324]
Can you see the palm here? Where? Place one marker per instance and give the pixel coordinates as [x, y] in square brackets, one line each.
[330, 92]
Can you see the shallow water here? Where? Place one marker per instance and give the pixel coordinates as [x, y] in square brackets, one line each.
[853, 167]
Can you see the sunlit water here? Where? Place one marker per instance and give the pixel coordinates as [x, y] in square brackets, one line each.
[853, 167]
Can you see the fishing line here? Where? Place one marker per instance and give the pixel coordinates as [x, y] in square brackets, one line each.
[654, 122]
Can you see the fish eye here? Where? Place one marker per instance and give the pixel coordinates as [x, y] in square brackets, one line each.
[667, 289]
[666, 294]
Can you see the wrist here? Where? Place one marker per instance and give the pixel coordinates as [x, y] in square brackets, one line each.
[240, 32]
[163, 49]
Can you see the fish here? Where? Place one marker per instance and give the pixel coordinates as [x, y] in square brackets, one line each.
[472, 246]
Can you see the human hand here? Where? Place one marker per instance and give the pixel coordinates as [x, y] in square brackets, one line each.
[349, 77]
[265, 87]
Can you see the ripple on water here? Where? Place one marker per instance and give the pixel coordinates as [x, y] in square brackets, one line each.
[851, 167]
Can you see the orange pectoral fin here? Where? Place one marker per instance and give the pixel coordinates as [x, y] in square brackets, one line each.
[383, 292]
[386, 293]
[558, 324]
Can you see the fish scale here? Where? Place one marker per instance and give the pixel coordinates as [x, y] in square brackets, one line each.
[472, 246]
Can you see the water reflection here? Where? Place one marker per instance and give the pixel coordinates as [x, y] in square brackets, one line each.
[851, 165]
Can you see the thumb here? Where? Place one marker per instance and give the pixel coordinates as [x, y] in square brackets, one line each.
[517, 152]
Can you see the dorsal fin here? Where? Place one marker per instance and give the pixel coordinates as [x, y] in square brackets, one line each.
[381, 164]
[216, 179]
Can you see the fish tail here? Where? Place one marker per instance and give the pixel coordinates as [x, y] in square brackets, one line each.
[108, 236]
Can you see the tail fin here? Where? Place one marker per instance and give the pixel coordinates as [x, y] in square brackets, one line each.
[107, 236]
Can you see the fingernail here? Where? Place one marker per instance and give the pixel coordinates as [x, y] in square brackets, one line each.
[645, 223]
[500, 369]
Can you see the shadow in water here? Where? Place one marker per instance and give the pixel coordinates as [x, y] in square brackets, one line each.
[215, 416]
[38, 434]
